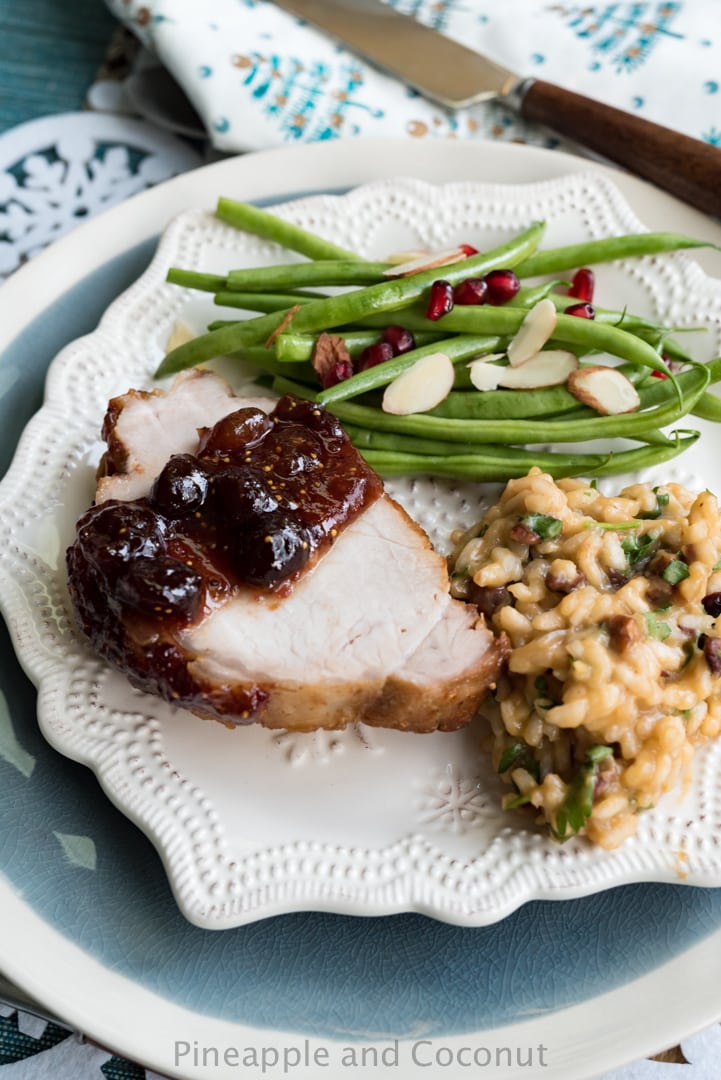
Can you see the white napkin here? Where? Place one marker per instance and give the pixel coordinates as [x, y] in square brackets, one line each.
[260, 78]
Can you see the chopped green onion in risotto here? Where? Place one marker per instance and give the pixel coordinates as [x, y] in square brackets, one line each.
[610, 605]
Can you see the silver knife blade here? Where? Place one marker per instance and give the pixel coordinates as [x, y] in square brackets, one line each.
[437, 66]
[454, 75]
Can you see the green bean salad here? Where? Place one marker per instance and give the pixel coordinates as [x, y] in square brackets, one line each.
[455, 363]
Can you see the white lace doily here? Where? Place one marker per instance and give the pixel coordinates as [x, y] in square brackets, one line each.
[58, 171]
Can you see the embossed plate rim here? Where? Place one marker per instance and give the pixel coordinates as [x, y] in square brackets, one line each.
[133, 743]
[646, 1014]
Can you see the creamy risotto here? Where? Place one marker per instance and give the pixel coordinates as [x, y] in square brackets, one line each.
[614, 677]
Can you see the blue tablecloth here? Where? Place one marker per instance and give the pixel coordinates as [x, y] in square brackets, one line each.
[50, 51]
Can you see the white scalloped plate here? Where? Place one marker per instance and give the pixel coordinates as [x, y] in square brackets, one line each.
[251, 823]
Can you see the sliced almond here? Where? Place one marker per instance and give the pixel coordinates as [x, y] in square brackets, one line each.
[549, 368]
[485, 375]
[533, 333]
[398, 257]
[421, 388]
[180, 334]
[605, 389]
[427, 261]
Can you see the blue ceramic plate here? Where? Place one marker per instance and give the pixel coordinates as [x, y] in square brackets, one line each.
[89, 925]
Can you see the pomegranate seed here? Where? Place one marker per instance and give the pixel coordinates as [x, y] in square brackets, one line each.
[502, 286]
[400, 339]
[471, 291]
[440, 300]
[468, 249]
[375, 354]
[581, 311]
[582, 284]
[337, 372]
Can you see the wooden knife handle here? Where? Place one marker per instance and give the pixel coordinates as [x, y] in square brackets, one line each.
[685, 167]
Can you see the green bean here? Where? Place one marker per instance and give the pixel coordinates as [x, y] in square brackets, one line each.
[477, 467]
[600, 337]
[642, 457]
[623, 319]
[344, 309]
[222, 342]
[340, 272]
[653, 437]
[294, 347]
[481, 467]
[364, 439]
[263, 301]
[193, 279]
[664, 345]
[290, 348]
[456, 349]
[657, 391]
[708, 407]
[265, 359]
[588, 333]
[292, 275]
[252, 219]
[547, 401]
[569, 329]
[472, 434]
[304, 343]
[413, 317]
[220, 324]
[505, 320]
[627, 425]
[388, 442]
[529, 295]
[395, 293]
[606, 250]
[244, 288]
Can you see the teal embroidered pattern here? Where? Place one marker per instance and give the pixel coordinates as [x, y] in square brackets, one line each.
[288, 82]
[435, 13]
[622, 35]
[306, 100]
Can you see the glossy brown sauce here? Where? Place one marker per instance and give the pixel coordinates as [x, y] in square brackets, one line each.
[258, 503]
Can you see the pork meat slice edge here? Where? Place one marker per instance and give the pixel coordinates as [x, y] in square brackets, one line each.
[408, 657]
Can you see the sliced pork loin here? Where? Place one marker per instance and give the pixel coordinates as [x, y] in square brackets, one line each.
[361, 629]
[144, 428]
[370, 634]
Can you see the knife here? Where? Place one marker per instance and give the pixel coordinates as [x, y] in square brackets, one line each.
[457, 77]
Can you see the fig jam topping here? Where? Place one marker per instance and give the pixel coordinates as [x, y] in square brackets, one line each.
[261, 500]
[239, 431]
[114, 533]
[181, 487]
[162, 587]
